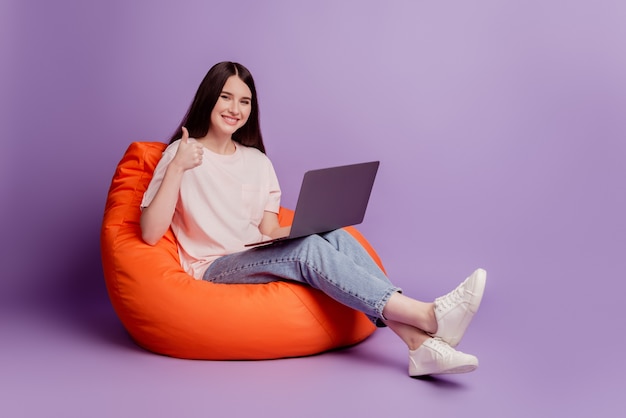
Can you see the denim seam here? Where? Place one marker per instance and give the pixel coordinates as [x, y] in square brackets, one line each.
[383, 301]
[336, 285]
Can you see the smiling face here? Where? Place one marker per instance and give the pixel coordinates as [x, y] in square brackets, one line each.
[232, 109]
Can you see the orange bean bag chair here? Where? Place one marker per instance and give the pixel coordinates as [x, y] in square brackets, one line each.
[166, 311]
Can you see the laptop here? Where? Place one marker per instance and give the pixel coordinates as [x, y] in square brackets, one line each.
[331, 198]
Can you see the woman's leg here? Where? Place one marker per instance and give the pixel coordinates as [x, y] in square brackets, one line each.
[409, 318]
[413, 320]
[412, 337]
[334, 263]
[432, 330]
[405, 310]
[338, 265]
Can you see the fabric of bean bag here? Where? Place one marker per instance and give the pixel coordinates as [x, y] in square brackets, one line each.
[166, 311]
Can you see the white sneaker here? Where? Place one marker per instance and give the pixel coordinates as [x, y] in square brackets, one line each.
[455, 311]
[437, 357]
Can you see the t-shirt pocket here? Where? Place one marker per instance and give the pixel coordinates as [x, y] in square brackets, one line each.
[254, 199]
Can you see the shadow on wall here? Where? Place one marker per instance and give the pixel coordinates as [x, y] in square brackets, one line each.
[79, 299]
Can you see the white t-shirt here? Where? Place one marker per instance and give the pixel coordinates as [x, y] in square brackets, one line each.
[220, 204]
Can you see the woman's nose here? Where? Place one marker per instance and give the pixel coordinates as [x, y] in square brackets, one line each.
[234, 107]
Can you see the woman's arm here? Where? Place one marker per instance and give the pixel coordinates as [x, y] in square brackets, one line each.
[270, 227]
[157, 217]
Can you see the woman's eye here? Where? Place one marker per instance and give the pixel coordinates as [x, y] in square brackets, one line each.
[245, 102]
[225, 97]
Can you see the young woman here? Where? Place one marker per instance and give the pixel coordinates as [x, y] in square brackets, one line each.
[218, 191]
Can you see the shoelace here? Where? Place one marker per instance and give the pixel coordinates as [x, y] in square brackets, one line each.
[441, 347]
[451, 299]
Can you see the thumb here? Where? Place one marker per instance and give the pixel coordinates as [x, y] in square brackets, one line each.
[185, 138]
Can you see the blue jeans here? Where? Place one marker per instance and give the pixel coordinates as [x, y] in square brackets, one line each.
[334, 262]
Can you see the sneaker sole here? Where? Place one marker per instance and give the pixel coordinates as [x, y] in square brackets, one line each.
[455, 370]
[460, 369]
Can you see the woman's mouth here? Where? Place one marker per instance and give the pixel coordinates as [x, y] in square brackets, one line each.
[230, 120]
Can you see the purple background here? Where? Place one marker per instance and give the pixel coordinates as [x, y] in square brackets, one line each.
[500, 126]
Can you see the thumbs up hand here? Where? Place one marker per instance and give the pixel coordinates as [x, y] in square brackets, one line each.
[189, 154]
